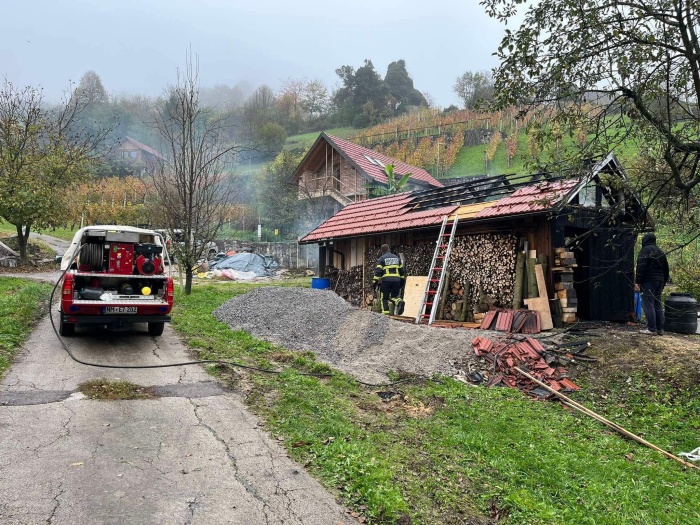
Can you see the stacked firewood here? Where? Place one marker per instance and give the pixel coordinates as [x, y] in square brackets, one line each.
[416, 260]
[563, 274]
[347, 284]
[487, 263]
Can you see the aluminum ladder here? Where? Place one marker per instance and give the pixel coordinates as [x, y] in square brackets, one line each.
[441, 257]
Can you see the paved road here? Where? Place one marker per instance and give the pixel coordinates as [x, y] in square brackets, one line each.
[195, 455]
[58, 245]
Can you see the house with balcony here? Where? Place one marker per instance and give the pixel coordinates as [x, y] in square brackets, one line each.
[335, 172]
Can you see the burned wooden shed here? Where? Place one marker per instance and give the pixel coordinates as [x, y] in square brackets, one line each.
[591, 213]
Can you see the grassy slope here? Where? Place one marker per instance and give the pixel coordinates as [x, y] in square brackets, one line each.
[20, 303]
[470, 161]
[302, 142]
[448, 453]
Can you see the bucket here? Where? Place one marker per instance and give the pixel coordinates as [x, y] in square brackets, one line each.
[320, 283]
[681, 313]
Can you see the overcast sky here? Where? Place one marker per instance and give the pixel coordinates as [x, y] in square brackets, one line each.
[136, 46]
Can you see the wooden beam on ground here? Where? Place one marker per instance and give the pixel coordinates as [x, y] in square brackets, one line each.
[573, 404]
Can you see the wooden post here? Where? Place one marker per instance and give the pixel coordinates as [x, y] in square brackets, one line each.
[443, 297]
[465, 303]
[518, 289]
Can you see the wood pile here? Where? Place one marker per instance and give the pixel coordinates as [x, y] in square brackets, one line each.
[347, 283]
[416, 262]
[529, 354]
[563, 275]
[512, 321]
[487, 262]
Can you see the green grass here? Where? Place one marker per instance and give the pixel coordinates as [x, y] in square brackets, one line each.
[447, 453]
[306, 140]
[21, 302]
[471, 160]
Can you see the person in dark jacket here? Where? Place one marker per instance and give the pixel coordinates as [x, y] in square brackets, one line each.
[390, 278]
[651, 277]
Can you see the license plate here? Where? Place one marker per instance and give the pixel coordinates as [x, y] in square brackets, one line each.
[120, 310]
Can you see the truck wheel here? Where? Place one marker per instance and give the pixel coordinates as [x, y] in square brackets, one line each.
[155, 329]
[66, 329]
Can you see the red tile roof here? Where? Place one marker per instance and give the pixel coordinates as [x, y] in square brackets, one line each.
[142, 146]
[373, 216]
[533, 198]
[358, 155]
[396, 212]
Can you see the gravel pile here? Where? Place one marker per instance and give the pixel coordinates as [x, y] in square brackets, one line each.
[362, 343]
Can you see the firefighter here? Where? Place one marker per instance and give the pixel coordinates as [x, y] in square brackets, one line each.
[389, 279]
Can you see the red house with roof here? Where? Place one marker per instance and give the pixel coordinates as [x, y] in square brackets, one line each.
[591, 212]
[336, 172]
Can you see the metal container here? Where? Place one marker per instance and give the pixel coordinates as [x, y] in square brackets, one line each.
[681, 313]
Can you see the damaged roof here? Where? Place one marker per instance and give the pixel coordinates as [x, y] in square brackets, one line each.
[390, 213]
[406, 211]
[479, 199]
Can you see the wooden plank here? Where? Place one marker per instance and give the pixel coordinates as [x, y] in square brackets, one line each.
[541, 305]
[557, 314]
[541, 286]
[531, 279]
[413, 294]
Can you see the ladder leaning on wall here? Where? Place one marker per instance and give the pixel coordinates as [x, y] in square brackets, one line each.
[438, 267]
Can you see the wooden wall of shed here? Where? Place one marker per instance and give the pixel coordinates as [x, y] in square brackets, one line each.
[604, 278]
[365, 250]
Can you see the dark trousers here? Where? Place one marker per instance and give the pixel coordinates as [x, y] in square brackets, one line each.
[651, 302]
[390, 290]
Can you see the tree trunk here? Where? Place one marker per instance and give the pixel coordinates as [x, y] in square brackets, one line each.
[22, 241]
[188, 280]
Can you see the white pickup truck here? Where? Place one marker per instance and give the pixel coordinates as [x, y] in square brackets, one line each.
[115, 277]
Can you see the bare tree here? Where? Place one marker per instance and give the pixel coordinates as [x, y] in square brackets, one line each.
[192, 187]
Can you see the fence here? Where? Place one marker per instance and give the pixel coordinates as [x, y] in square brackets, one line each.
[288, 255]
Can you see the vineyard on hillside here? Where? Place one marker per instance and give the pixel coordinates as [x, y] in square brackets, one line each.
[432, 141]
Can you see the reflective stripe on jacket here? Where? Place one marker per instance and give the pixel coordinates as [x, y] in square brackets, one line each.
[389, 267]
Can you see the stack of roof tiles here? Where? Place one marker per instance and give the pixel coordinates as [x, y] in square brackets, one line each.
[512, 321]
[529, 355]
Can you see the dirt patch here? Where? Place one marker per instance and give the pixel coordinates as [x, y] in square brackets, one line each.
[622, 351]
[112, 390]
